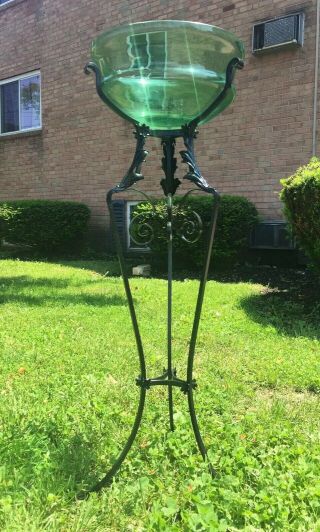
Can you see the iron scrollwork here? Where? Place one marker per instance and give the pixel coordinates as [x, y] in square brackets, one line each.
[186, 225]
[190, 228]
[188, 156]
[134, 173]
[140, 230]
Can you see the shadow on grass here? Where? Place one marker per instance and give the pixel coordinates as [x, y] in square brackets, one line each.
[15, 290]
[26, 281]
[106, 268]
[274, 276]
[67, 464]
[75, 464]
[294, 312]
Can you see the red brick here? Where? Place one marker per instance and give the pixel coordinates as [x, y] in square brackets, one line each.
[84, 149]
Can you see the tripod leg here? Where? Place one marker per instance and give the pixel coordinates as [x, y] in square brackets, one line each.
[196, 430]
[194, 335]
[107, 479]
[170, 402]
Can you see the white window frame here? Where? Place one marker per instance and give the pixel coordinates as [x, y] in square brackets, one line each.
[18, 78]
[129, 204]
[5, 3]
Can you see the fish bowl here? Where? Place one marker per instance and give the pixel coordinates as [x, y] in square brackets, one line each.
[165, 74]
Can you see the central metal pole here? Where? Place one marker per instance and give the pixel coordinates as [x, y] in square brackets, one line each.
[169, 316]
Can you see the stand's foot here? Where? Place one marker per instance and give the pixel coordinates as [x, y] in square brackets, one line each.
[107, 479]
[187, 388]
[201, 446]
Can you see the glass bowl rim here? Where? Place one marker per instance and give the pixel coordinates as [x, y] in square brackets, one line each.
[202, 26]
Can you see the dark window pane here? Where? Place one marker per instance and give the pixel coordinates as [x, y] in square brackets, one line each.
[138, 50]
[30, 102]
[10, 107]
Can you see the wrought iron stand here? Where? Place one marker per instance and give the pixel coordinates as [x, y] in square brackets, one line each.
[169, 185]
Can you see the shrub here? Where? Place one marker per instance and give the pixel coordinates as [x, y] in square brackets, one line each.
[47, 226]
[301, 198]
[237, 216]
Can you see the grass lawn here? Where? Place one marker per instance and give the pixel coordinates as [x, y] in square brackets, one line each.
[67, 399]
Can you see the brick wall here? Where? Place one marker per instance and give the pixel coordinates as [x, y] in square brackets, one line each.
[84, 148]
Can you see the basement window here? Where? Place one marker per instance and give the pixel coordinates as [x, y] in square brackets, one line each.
[131, 244]
[20, 103]
[272, 235]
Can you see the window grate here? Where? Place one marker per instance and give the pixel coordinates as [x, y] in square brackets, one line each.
[283, 31]
[271, 235]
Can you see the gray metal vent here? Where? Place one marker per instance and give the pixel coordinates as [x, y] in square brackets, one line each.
[283, 31]
[271, 235]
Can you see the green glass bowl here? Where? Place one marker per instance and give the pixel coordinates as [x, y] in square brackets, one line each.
[165, 73]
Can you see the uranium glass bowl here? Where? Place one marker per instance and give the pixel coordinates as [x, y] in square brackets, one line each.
[165, 73]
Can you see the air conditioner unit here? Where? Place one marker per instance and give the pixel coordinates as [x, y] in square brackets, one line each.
[280, 32]
[271, 235]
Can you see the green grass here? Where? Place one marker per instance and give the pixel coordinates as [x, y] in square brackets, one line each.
[67, 399]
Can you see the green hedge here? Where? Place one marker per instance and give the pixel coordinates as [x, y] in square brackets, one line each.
[47, 226]
[237, 216]
[301, 198]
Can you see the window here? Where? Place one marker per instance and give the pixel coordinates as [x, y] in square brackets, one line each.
[5, 2]
[20, 103]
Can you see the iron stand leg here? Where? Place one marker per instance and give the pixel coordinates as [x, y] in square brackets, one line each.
[194, 175]
[169, 316]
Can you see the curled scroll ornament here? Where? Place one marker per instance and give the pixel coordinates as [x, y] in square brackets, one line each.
[141, 232]
[190, 228]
